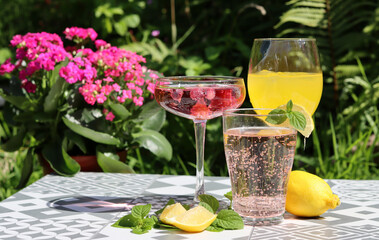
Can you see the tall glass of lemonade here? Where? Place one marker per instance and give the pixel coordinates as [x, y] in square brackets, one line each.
[283, 69]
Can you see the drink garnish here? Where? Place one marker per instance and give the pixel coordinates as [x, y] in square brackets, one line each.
[292, 115]
[140, 222]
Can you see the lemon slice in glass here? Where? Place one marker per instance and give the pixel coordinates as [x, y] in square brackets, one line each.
[308, 117]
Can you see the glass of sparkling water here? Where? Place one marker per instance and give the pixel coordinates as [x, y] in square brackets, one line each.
[259, 156]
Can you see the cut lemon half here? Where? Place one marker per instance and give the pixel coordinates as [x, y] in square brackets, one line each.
[308, 117]
[171, 212]
[194, 220]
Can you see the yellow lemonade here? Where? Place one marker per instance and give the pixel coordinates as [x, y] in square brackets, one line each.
[270, 89]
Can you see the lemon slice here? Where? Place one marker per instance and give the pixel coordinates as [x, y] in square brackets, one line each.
[194, 220]
[308, 117]
[170, 212]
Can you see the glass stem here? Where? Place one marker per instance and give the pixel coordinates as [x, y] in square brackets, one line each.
[200, 126]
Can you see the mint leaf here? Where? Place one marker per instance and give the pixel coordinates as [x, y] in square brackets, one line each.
[165, 226]
[228, 220]
[210, 200]
[141, 211]
[297, 120]
[170, 202]
[128, 221]
[212, 228]
[186, 206]
[276, 116]
[289, 106]
[138, 230]
[206, 206]
[229, 195]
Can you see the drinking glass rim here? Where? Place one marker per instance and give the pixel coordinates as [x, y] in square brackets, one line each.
[286, 39]
[205, 78]
[234, 111]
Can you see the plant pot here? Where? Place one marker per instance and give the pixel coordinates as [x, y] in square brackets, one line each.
[88, 163]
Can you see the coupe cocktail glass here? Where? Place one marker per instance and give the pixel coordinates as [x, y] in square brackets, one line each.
[283, 69]
[199, 98]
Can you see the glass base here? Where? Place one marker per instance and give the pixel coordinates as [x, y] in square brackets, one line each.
[263, 221]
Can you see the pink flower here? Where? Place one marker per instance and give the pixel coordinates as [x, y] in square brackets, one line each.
[116, 87]
[101, 43]
[110, 116]
[101, 98]
[155, 33]
[138, 101]
[71, 73]
[76, 33]
[6, 67]
[28, 86]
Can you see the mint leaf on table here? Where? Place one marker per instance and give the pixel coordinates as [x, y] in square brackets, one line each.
[210, 200]
[141, 211]
[229, 196]
[128, 221]
[213, 228]
[206, 206]
[228, 220]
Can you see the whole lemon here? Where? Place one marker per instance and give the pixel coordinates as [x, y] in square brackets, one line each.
[309, 195]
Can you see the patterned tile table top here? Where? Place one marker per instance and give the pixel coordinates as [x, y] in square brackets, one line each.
[85, 207]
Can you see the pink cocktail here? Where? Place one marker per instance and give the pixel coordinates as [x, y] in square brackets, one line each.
[199, 98]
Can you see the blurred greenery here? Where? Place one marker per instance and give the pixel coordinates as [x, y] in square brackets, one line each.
[215, 37]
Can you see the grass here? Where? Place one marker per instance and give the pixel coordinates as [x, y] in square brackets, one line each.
[10, 172]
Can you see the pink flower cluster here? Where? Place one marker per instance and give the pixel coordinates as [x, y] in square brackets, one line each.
[106, 74]
[39, 51]
[75, 33]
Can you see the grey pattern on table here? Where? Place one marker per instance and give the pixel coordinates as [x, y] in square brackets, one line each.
[85, 206]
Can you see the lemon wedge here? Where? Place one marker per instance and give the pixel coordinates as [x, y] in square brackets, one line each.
[194, 220]
[170, 212]
[308, 117]
[309, 195]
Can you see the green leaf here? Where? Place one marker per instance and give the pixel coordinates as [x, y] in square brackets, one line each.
[229, 220]
[19, 102]
[297, 120]
[120, 111]
[154, 142]
[289, 106]
[212, 228]
[212, 53]
[276, 116]
[109, 164]
[141, 211]
[59, 160]
[170, 202]
[95, 136]
[206, 206]
[139, 230]
[210, 200]
[58, 86]
[153, 116]
[127, 221]
[15, 142]
[133, 20]
[27, 169]
[229, 195]
[76, 139]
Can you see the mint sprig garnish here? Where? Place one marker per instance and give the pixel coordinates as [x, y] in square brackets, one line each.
[279, 116]
[140, 222]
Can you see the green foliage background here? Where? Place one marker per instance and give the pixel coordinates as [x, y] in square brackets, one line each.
[215, 37]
